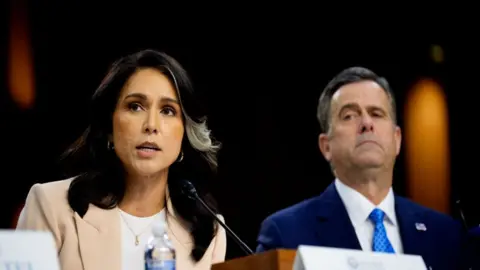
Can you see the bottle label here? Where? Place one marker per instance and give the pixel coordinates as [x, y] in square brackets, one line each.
[152, 264]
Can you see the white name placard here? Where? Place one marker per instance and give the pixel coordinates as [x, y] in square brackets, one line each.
[311, 257]
[27, 250]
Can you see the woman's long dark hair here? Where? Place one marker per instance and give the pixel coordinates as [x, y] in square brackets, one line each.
[99, 173]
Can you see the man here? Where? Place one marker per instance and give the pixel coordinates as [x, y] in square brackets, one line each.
[361, 141]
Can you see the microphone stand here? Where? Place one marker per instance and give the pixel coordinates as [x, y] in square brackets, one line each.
[244, 247]
[464, 221]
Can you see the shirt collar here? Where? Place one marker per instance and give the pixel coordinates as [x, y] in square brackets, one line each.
[359, 207]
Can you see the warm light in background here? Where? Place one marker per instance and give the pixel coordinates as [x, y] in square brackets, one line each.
[437, 54]
[20, 60]
[427, 147]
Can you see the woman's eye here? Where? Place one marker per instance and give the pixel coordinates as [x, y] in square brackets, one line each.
[169, 111]
[135, 107]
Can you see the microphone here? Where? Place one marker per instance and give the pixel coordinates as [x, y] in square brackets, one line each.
[191, 192]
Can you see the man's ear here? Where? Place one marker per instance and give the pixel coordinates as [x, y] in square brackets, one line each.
[398, 139]
[324, 145]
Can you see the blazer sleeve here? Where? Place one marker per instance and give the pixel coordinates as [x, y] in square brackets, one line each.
[37, 214]
[269, 236]
[220, 248]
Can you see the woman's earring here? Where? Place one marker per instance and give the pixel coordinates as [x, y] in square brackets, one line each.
[181, 157]
[110, 145]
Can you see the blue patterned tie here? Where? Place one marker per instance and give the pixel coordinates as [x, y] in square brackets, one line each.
[380, 239]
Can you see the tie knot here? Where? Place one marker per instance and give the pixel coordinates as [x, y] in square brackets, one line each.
[377, 216]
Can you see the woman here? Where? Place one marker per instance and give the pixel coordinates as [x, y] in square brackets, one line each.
[146, 133]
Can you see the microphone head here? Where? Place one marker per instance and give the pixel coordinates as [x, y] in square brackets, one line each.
[188, 189]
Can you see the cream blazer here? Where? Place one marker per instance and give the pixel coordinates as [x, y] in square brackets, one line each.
[94, 241]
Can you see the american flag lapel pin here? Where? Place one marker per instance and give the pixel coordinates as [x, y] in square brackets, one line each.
[420, 227]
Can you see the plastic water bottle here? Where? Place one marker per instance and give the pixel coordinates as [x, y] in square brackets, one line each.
[159, 251]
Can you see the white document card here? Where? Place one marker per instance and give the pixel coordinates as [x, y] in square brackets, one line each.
[311, 257]
[27, 250]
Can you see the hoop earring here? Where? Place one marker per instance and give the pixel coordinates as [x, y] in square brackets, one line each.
[181, 157]
[110, 145]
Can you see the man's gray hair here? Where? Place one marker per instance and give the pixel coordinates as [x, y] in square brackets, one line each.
[348, 76]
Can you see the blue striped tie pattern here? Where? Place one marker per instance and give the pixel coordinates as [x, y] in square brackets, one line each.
[380, 241]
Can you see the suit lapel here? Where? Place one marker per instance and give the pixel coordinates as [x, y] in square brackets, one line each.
[413, 227]
[334, 228]
[99, 238]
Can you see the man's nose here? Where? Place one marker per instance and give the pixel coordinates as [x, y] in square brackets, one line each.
[366, 124]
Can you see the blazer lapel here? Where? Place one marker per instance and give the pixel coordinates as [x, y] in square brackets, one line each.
[99, 239]
[179, 234]
[177, 231]
[413, 227]
[334, 228]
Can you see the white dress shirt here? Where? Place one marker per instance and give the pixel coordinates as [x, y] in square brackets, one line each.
[359, 208]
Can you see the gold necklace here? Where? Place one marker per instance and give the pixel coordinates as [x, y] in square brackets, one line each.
[137, 240]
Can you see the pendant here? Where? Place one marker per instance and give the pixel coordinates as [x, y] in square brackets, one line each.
[136, 240]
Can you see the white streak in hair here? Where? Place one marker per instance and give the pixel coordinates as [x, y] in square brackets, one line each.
[199, 137]
[198, 134]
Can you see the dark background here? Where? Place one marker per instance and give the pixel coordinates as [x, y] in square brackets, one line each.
[261, 77]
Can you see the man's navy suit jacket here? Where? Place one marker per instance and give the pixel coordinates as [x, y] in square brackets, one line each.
[324, 221]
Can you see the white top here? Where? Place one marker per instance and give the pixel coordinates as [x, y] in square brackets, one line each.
[132, 255]
[359, 208]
